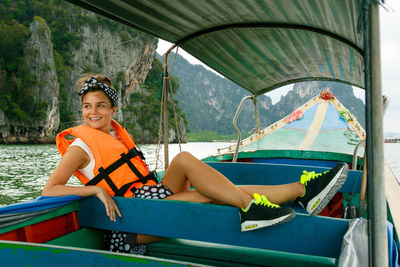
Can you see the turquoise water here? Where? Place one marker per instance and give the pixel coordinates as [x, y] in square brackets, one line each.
[24, 169]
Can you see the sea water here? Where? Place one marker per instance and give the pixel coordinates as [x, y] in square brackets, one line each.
[24, 169]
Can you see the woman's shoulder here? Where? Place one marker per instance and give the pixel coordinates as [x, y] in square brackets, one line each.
[80, 143]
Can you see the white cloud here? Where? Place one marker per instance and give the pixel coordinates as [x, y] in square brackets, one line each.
[163, 47]
[276, 94]
[390, 60]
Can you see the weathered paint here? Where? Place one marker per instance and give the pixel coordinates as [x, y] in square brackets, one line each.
[25, 254]
[216, 224]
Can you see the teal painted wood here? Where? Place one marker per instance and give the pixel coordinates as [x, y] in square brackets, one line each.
[227, 255]
[313, 235]
[273, 174]
[28, 254]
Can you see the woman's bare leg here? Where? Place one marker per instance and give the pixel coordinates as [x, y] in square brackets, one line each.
[210, 183]
[145, 239]
[277, 194]
[212, 186]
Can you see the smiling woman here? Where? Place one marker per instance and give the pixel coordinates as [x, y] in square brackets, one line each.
[106, 160]
[99, 101]
[97, 111]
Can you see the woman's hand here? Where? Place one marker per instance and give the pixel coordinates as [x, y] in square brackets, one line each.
[109, 203]
[77, 158]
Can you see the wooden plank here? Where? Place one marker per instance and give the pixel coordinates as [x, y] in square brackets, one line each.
[314, 235]
[392, 190]
[201, 252]
[82, 238]
[58, 212]
[316, 124]
[27, 254]
[228, 255]
[273, 174]
[45, 230]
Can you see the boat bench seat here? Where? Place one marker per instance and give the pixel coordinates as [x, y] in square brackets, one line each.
[275, 174]
[200, 252]
[310, 235]
[198, 229]
[227, 255]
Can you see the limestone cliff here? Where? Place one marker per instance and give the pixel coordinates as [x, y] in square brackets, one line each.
[102, 51]
[38, 55]
[210, 101]
[58, 51]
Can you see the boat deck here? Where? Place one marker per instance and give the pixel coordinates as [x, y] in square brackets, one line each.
[202, 233]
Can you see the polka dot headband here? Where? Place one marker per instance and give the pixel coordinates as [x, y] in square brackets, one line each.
[90, 83]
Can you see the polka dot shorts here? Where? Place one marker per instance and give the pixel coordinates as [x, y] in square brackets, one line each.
[158, 191]
[123, 242]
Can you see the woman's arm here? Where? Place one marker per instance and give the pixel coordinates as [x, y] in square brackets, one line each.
[76, 158]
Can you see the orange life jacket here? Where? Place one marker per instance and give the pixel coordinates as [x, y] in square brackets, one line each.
[120, 168]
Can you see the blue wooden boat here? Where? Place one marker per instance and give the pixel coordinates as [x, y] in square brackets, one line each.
[260, 45]
[321, 132]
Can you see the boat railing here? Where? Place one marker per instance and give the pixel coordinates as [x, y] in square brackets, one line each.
[354, 163]
[239, 139]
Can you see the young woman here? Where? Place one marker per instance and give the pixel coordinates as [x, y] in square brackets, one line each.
[104, 157]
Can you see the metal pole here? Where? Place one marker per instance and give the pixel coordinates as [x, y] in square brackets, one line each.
[376, 192]
[239, 139]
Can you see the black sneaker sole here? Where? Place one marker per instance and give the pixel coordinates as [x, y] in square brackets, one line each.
[254, 225]
[318, 203]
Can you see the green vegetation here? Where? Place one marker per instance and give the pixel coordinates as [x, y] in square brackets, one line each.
[65, 21]
[16, 94]
[13, 95]
[146, 106]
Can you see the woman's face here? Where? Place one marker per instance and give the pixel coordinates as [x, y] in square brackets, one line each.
[97, 110]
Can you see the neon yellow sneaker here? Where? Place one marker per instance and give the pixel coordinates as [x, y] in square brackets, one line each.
[321, 187]
[262, 213]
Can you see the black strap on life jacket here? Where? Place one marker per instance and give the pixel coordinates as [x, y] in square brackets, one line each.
[125, 158]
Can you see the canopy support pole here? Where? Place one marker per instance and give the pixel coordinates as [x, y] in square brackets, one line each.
[378, 242]
[239, 139]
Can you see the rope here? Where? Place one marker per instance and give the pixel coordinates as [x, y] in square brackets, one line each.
[255, 100]
[352, 137]
[173, 62]
[172, 100]
[175, 116]
[159, 128]
[165, 76]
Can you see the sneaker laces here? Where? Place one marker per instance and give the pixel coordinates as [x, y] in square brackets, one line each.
[262, 200]
[308, 176]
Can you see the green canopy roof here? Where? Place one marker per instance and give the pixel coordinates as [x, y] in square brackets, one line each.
[260, 45]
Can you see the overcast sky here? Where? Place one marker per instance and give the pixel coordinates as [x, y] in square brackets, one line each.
[390, 47]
